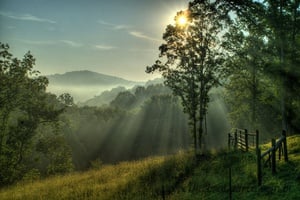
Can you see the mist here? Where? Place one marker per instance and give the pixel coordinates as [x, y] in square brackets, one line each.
[217, 121]
[81, 93]
[138, 123]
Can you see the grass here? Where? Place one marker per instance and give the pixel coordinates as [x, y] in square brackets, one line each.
[172, 177]
[211, 178]
[142, 179]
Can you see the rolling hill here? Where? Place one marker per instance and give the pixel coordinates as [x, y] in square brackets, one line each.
[86, 78]
[84, 85]
[171, 177]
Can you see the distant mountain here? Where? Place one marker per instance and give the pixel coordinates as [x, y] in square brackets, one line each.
[87, 78]
[154, 81]
[84, 85]
[104, 98]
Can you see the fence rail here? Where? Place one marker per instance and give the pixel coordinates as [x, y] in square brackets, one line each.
[240, 139]
[280, 146]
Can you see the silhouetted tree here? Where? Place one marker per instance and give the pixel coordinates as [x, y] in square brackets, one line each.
[192, 58]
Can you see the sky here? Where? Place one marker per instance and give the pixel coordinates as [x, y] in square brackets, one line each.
[114, 37]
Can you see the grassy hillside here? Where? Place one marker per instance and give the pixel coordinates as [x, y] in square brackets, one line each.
[210, 179]
[171, 177]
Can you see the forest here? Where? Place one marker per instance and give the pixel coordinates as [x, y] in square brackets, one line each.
[227, 64]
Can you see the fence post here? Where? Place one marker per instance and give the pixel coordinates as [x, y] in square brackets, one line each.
[235, 140]
[163, 192]
[246, 140]
[273, 156]
[285, 153]
[229, 140]
[230, 184]
[257, 139]
[259, 169]
[279, 151]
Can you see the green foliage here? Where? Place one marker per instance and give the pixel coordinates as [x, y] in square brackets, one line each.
[96, 164]
[31, 175]
[56, 152]
[24, 106]
[192, 59]
[264, 66]
[66, 99]
[124, 100]
[153, 125]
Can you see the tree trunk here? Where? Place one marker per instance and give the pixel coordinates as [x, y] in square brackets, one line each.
[201, 117]
[195, 132]
[281, 56]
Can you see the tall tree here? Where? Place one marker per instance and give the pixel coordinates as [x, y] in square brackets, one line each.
[191, 59]
[275, 59]
[282, 22]
[23, 106]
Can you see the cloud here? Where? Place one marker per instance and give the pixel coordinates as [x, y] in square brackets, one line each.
[128, 29]
[143, 50]
[105, 47]
[71, 43]
[143, 36]
[114, 26]
[37, 42]
[51, 42]
[26, 17]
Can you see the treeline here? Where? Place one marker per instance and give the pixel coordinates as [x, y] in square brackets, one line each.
[141, 122]
[251, 48]
[31, 142]
[42, 134]
[263, 69]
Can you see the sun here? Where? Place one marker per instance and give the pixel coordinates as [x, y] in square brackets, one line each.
[182, 20]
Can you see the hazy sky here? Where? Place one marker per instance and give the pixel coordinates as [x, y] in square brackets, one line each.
[116, 37]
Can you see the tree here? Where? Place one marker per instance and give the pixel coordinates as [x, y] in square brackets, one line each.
[23, 107]
[192, 58]
[56, 152]
[271, 29]
[282, 19]
[124, 100]
[66, 99]
[248, 89]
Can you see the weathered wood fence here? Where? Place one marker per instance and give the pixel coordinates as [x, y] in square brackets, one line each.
[241, 139]
[281, 146]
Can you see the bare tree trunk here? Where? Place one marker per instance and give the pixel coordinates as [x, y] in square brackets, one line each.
[283, 88]
[254, 97]
[201, 115]
[195, 132]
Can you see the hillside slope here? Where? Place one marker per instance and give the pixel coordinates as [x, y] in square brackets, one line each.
[86, 77]
[84, 85]
[171, 177]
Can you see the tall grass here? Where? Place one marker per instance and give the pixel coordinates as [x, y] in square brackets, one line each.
[173, 177]
[146, 179]
[211, 178]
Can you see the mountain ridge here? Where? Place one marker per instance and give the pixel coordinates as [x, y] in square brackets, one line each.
[86, 77]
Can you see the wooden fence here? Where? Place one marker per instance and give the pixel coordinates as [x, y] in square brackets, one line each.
[281, 146]
[241, 139]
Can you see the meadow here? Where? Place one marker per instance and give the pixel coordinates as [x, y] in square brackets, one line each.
[178, 176]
